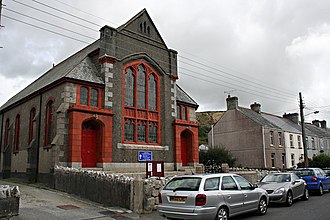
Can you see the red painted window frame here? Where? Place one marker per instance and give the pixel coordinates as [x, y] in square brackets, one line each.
[31, 127]
[17, 131]
[89, 91]
[6, 132]
[187, 116]
[49, 121]
[148, 70]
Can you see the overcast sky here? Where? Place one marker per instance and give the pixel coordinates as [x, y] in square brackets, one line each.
[260, 51]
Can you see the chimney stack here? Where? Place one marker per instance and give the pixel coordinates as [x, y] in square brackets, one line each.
[316, 123]
[294, 117]
[256, 107]
[232, 103]
[323, 124]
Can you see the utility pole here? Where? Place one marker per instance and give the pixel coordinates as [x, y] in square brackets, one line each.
[302, 119]
[0, 17]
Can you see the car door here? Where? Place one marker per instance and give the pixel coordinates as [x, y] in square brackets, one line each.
[324, 179]
[232, 194]
[298, 186]
[251, 197]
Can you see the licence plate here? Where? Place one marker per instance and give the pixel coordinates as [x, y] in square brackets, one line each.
[178, 198]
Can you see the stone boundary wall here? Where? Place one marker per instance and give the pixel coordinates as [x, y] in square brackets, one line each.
[9, 201]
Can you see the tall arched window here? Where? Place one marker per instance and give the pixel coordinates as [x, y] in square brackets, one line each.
[6, 132]
[129, 88]
[31, 124]
[141, 87]
[152, 93]
[83, 96]
[49, 122]
[141, 116]
[16, 137]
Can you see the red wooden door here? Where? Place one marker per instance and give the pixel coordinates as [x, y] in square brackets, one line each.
[184, 149]
[88, 147]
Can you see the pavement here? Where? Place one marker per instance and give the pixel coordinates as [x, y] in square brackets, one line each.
[37, 202]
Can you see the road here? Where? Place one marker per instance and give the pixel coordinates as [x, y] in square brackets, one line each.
[316, 208]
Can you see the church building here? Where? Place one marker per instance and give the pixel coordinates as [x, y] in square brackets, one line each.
[101, 108]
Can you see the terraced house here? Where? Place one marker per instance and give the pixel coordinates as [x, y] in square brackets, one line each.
[101, 107]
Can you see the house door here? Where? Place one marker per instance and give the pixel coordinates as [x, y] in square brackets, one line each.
[186, 146]
[88, 145]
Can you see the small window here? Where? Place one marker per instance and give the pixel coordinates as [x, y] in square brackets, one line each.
[299, 141]
[94, 97]
[272, 137]
[292, 160]
[6, 132]
[153, 133]
[228, 183]
[129, 130]
[141, 132]
[273, 159]
[49, 123]
[291, 141]
[280, 138]
[83, 96]
[31, 124]
[17, 131]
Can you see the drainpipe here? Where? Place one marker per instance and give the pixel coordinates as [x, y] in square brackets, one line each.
[38, 145]
[1, 137]
[263, 146]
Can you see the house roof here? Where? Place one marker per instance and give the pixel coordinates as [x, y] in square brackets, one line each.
[182, 96]
[283, 123]
[316, 131]
[78, 66]
[258, 118]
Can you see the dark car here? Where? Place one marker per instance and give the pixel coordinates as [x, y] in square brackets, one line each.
[284, 187]
[317, 180]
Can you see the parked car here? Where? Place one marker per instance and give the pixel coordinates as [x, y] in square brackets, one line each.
[284, 187]
[316, 179]
[210, 196]
[327, 171]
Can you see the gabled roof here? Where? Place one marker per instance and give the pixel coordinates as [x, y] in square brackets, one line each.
[78, 66]
[256, 117]
[316, 131]
[284, 123]
[182, 96]
[141, 17]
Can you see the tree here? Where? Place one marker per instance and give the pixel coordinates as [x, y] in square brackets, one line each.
[217, 154]
[320, 161]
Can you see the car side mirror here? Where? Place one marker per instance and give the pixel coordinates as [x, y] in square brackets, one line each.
[253, 186]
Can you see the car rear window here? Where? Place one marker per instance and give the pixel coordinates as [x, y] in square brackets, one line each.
[302, 173]
[183, 184]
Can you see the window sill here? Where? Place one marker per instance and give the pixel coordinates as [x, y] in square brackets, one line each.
[141, 147]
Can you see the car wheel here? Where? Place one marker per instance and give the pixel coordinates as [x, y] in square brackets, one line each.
[289, 199]
[222, 214]
[321, 192]
[306, 194]
[262, 206]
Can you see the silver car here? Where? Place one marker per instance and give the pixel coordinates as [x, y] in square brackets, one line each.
[284, 187]
[210, 196]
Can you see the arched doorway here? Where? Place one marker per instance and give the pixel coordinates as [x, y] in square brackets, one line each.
[186, 147]
[89, 139]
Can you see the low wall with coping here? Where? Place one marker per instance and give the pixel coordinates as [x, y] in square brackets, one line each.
[9, 201]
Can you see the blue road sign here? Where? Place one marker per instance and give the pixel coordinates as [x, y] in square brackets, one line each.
[145, 156]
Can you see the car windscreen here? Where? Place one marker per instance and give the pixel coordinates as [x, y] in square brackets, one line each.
[302, 173]
[278, 178]
[183, 184]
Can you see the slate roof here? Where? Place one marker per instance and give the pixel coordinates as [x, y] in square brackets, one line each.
[284, 123]
[182, 96]
[78, 66]
[316, 131]
[258, 118]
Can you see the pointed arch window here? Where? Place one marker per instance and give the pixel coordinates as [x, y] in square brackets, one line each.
[49, 123]
[17, 131]
[6, 132]
[94, 97]
[31, 124]
[83, 96]
[141, 116]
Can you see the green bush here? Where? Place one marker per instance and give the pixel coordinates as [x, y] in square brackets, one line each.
[320, 161]
[217, 154]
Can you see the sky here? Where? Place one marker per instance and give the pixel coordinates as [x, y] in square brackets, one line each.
[264, 51]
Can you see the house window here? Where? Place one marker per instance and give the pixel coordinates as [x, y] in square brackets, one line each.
[292, 160]
[49, 123]
[280, 138]
[283, 161]
[31, 124]
[272, 137]
[182, 112]
[313, 144]
[83, 96]
[94, 97]
[6, 132]
[273, 159]
[16, 137]
[291, 141]
[141, 106]
[299, 142]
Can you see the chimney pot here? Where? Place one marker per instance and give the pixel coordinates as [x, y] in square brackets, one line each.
[323, 124]
[256, 107]
[232, 103]
[316, 123]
